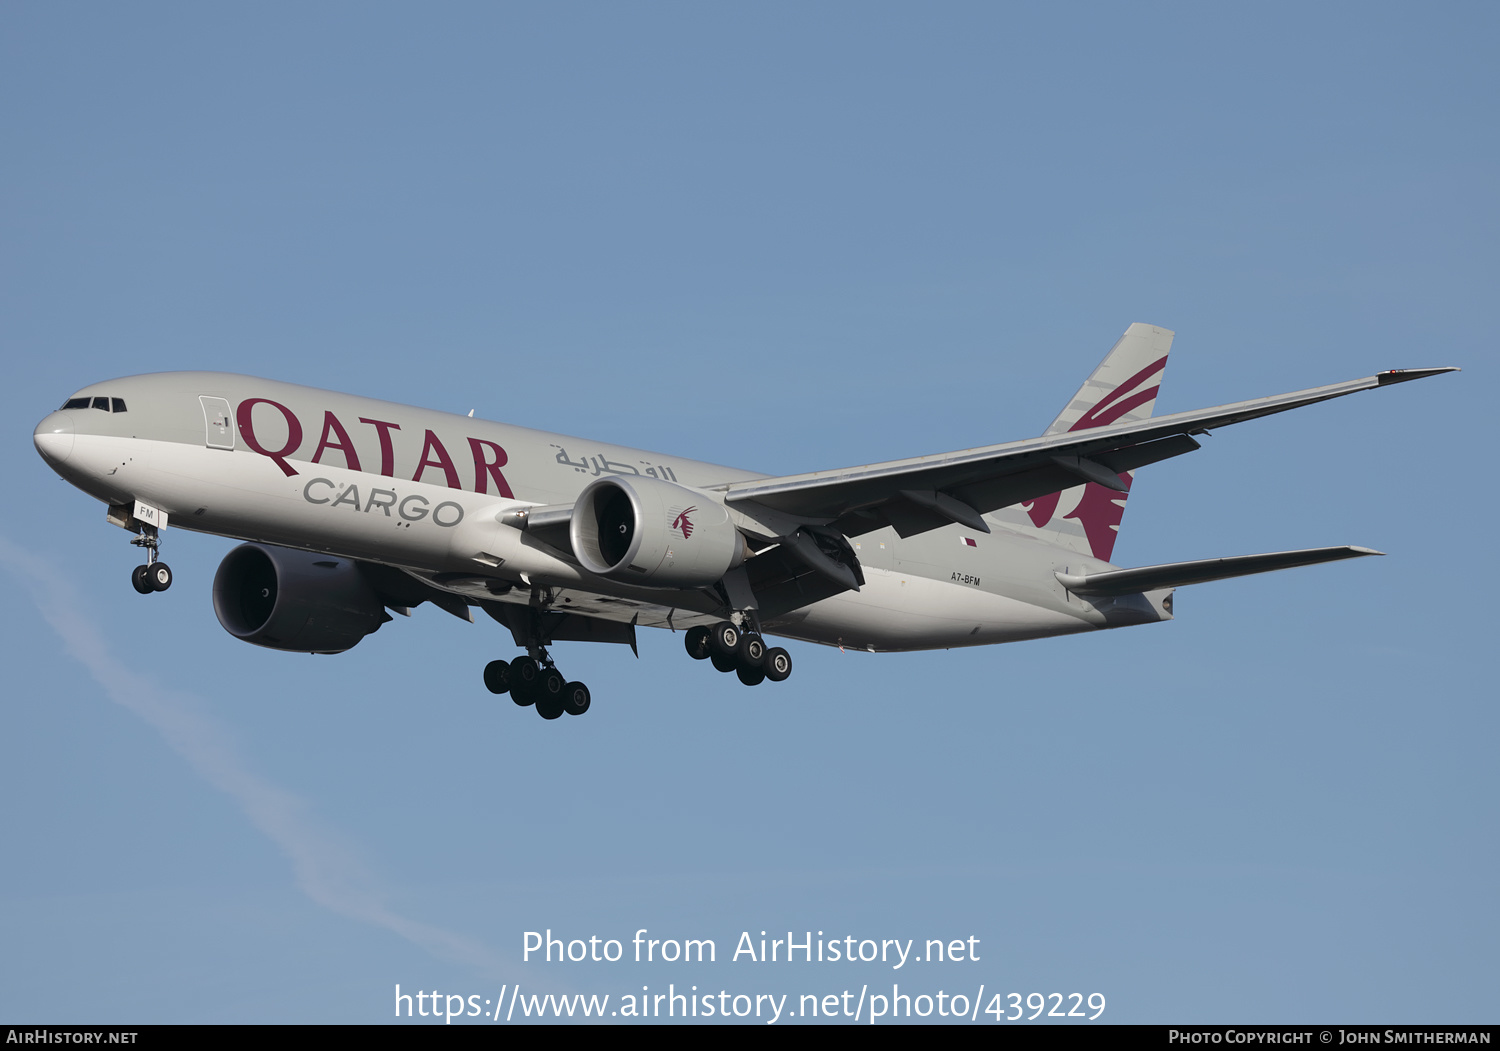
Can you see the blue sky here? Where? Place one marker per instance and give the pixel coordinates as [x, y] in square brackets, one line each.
[786, 237]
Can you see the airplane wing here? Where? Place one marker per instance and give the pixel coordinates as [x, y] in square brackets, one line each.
[927, 492]
[1178, 574]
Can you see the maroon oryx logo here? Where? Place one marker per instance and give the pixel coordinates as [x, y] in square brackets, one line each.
[1101, 509]
[683, 524]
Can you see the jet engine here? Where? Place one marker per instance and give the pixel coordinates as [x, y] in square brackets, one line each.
[654, 534]
[295, 600]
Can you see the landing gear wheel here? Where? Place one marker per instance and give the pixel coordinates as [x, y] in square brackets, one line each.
[497, 676]
[550, 684]
[548, 693]
[140, 581]
[751, 676]
[724, 639]
[524, 673]
[724, 664]
[575, 698]
[778, 664]
[752, 652]
[159, 576]
[696, 642]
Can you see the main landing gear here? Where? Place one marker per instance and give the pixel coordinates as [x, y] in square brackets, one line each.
[154, 575]
[535, 680]
[731, 649]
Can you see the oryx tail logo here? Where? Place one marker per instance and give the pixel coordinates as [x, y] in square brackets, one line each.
[1099, 510]
[683, 524]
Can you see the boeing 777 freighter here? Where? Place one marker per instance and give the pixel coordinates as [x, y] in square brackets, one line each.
[352, 507]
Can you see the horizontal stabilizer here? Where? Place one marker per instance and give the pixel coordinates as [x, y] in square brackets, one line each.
[1176, 574]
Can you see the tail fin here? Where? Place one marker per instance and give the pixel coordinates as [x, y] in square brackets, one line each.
[1123, 388]
[1124, 385]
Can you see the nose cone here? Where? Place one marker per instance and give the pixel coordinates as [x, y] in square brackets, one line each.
[54, 438]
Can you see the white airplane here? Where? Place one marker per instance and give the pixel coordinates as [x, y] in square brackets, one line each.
[351, 507]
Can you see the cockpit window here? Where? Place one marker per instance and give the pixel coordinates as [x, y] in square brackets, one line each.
[107, 404]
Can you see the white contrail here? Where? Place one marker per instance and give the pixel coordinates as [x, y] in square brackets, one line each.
[327, 869]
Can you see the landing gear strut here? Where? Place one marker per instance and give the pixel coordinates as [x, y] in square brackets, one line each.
[533, 679]
[154, 575]
[731, 649]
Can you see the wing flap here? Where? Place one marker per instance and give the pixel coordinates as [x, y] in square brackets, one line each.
[560, 626]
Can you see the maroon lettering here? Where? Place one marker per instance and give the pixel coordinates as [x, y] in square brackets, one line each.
[387, 457]
[331, 425]
[431, 445]
[486, 469]
[293, 432]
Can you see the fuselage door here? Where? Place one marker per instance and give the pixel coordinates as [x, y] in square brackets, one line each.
[218, 425]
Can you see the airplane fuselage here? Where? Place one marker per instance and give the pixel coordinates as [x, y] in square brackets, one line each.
[425, 491]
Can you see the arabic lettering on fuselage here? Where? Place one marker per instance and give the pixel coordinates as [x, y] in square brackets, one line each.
[597, 465]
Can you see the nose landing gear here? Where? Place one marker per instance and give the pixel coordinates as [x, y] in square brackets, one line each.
[154, 575]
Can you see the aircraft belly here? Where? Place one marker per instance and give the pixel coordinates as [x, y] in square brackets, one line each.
[900, 611]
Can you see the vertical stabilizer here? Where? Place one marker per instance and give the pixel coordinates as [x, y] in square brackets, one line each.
[1123, 387]
[1086, 518]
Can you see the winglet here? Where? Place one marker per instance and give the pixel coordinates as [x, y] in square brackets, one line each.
[1402, 375]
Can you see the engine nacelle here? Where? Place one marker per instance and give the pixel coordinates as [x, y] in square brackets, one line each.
[295, 600]
[654, 534]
